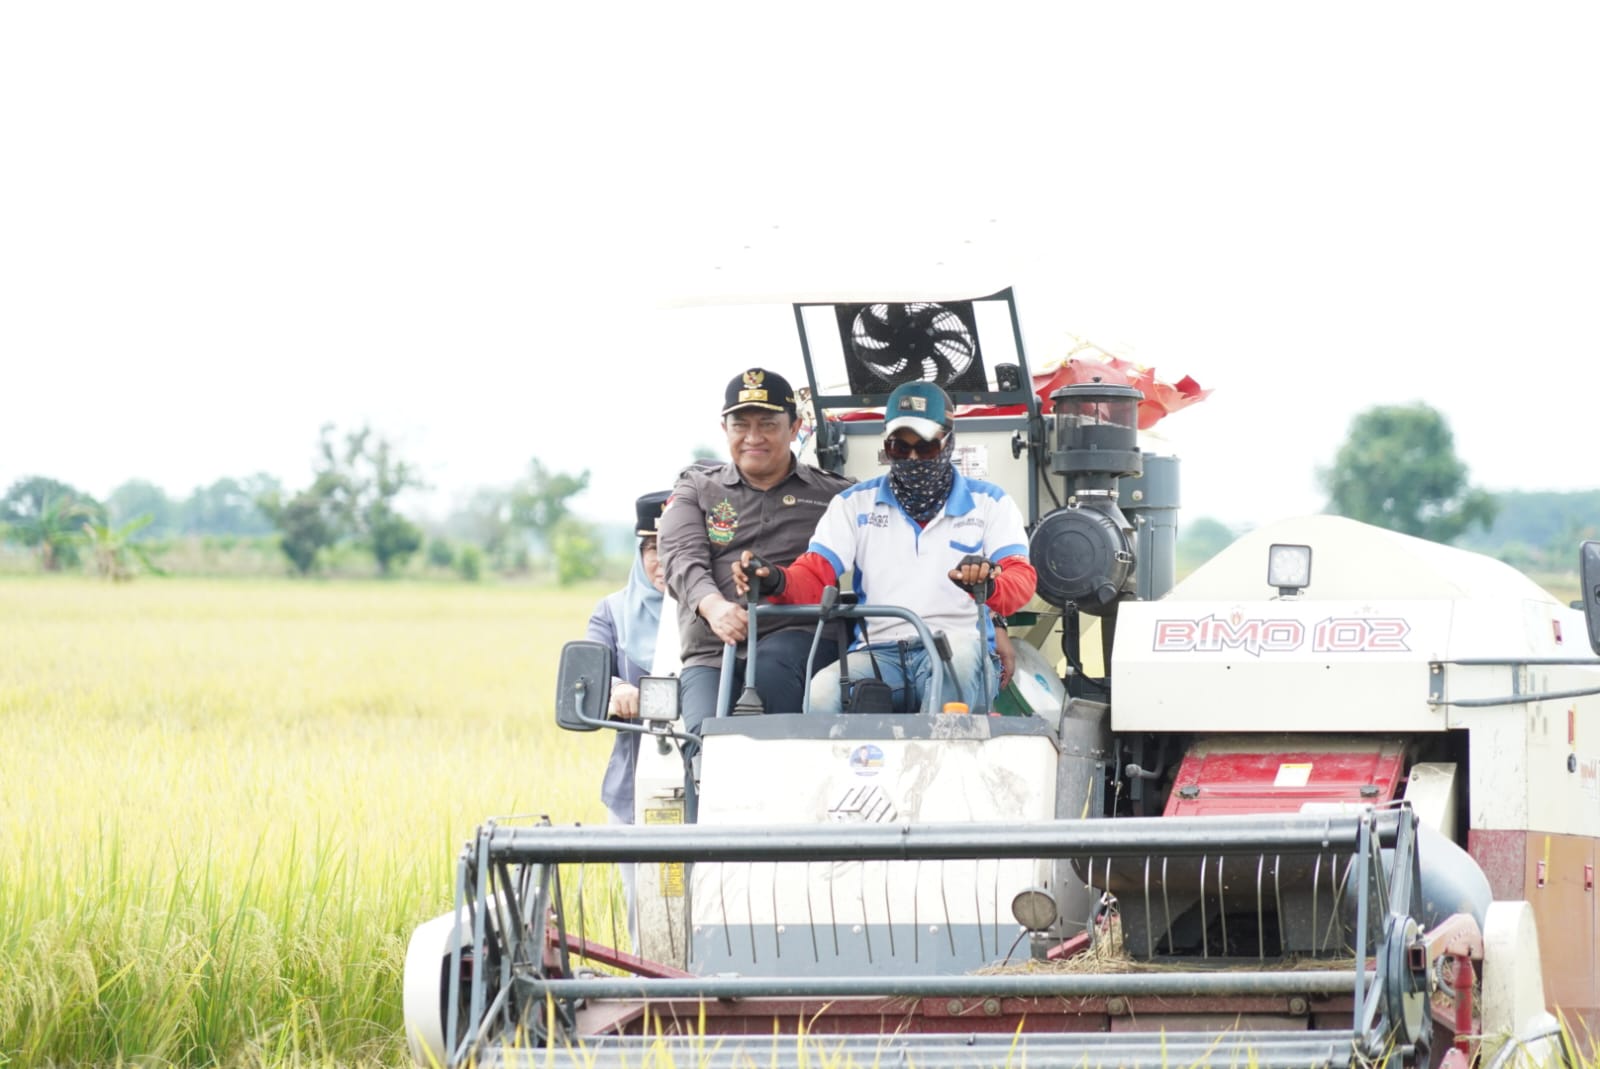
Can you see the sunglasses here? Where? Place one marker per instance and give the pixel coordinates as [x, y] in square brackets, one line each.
[900, 449]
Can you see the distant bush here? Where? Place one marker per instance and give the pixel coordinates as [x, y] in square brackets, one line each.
[469, 563]
[218, 555]
[1201, 540]
[440, 553]
[577, 552]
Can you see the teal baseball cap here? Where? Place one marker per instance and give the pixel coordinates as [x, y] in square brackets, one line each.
[920, 407]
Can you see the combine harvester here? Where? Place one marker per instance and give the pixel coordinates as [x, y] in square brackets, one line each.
[1336, 800]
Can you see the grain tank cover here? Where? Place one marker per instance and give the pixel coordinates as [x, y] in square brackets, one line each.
[1355, 649]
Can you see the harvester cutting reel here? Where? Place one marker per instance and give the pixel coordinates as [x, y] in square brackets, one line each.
[1371, 990]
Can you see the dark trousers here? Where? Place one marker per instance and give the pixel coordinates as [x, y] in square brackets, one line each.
[780, 676]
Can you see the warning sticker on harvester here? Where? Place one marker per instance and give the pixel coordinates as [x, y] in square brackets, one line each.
[1295, 775]
[671, 871]
[972, 461]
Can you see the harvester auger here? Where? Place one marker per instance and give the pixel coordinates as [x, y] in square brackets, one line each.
[1242, 818]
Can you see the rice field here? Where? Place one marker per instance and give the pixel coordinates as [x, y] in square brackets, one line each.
[224, 805]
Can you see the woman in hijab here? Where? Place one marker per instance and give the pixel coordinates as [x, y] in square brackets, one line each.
[627, 622]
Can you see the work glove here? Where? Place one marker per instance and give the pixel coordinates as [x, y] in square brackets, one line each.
[979, 590]
[770, 585]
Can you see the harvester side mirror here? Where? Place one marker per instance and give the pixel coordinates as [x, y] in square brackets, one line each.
[1589, 583]
[583, 686]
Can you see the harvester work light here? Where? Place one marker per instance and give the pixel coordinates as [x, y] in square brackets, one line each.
[1289, 568]
[658, 699]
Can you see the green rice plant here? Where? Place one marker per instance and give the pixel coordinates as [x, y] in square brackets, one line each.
[229, 803]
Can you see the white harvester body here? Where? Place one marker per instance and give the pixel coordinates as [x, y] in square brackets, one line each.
[1372, 794]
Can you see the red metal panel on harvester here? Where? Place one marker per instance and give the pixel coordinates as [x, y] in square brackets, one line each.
[1213, 783]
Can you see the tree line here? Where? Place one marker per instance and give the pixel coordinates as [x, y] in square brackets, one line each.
[351, 504]
[1397, 468]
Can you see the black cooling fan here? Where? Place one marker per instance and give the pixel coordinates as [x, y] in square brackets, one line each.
[888, 344]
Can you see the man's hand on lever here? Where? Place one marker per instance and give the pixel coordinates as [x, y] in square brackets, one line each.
[769, 578]
[975, 575]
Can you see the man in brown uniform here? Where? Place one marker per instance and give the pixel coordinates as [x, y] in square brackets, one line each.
[765, 501]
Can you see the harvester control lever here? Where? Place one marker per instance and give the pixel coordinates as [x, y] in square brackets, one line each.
[974, 574]
[750, 702]
[830, 598]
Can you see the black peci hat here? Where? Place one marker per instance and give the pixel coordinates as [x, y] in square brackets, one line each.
[759, 388]
[649, 509]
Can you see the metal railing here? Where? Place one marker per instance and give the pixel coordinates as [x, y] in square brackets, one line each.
[519, 987]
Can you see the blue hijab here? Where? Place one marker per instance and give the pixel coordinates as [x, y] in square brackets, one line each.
[636, 614]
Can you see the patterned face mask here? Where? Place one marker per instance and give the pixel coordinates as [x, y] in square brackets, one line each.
[921, 486]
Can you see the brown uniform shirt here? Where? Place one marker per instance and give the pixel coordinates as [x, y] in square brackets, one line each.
[713, 517]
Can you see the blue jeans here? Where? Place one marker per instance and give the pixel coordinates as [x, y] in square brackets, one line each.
[917, 668]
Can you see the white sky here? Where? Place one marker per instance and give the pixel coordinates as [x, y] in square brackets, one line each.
[222, 225]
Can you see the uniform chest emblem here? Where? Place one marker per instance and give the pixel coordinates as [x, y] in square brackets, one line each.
[721, 522]
[788, 499]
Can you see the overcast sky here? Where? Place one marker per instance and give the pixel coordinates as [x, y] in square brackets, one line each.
[504, 231]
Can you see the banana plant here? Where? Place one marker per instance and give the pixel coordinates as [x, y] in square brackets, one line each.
[114, 546]
[52, 530]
